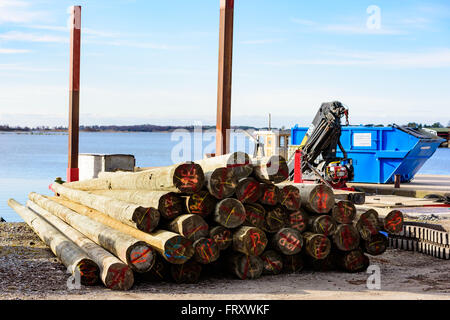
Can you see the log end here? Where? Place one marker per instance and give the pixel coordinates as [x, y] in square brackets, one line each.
[170, 206]
[272, 262]
[230, 213]
[146, 219]
[141, 257]
[89, 272]
[188, 177]
[119, 277]
[178, 250]
[206, 251]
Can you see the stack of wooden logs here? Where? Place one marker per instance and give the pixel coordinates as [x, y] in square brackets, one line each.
[218, 215]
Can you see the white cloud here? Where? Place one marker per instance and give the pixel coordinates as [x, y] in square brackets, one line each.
[12, 11]
[31, 37]
[12, 51]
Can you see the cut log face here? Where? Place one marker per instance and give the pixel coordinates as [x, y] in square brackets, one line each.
[229, 213]
[249, 241]
[238, 162]
[344, 212]
[288, 241]
[221, 183]
[170, 206]
[248, 190]
[353, 261]
[245, 267]
[141, 257]
[177, 250]
[256, 215]
[189, 178]
[393, 222]
[272, 169]
[376, 245]
[316, 198]
[148, 220]
[272, 262]
[293, 263]
[367, 224]
[206, 250]
[346, 237]
[298, 220]
[222, 236]
[317, 246]
[187, 273]
[191, 226]
[119, 277]
[159, 272]
[270, 194]
[290, 197]
[201, 203]
[323, 224]
[276, 218]
[89, 272]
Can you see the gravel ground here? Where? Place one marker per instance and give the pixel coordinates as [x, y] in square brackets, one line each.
[29, 270]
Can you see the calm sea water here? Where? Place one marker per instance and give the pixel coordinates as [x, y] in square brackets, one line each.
[31, 162]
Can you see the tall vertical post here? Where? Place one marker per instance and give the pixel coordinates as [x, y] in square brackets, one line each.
[225, 74]
[74, 93]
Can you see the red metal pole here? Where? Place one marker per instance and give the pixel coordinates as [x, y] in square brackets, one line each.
[225, 74]
[298, 177]
[74, 94]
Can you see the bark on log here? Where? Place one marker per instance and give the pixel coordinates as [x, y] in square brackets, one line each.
[346, 237]
[393, 222]
[222, 236]
[221, 183]
[293, 264]
[344, 212]
[229, 213]
[201, 203]
[190, 226]
[238, 162]
[256, 215]
[115, 274]
[135, 253]
[75, 259]
[245, 267]
[272, 169]
[272, 262]
[206, 251]
[276, 218]
[376, 245]
[133, 215]
[186, 177]
[290, 197]
[249, 241]
[367, 224]
[317, 246]
[353, 261]
[270, 194]
[317, 198]
[248, 190]
[298, 220]
[174, 248]
[288, 241]
[187, 273]
[322, 224]
[169, 204]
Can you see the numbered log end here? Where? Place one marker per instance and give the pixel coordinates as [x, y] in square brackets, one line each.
[146, 219]
[276, 219]
[188, 273]
[344, 212]
[354, 261]
[290, 197]
[249, 241]
[206, 251]
[393, 222]
[188, 177]
[141, 257]
[288, 241]
[229, 213]
[222, 236]
[368, 224]
[191, 226]
[376, 245]
[89, 272]
[272, 169]
[240, 164]
[298, 220]
[170, 206]
[317, 246]
[255, 214]
[178, 250]
[119, 277]
[320, 199]
[221, 183]
[272, 262]
[293, 264]
[323, 224]
[346, 237]
[201, 203]
[245, 267]
[248, 190]
[270, 194]
[158, 273]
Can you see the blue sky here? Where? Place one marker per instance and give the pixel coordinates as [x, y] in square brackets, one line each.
[156, 61]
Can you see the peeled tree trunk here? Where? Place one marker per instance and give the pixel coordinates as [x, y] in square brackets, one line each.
[272, 169]
[317, 198]
[238, 162]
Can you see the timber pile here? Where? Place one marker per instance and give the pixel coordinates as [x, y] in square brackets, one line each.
[228, 214]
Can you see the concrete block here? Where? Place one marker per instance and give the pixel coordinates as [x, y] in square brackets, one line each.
[92, 164]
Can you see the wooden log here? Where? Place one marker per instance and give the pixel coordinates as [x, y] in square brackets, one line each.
[190, 226]
[114, 274]
[323, 224]
[248, 190]
[316, 198]
[169, 204]
[270, 194]
[186, 177]
[276, 218]
[201, 203]
[298, 220]
[133, 215]
[222, 236]
[317, 246]
[321, 265]
[255, 214]
[273, 169]
[206, 251]
[244, 266]
[376, 245]
[159, 272]
[293, 263]
[229, 213]
[187, 273]
[173, 247]
[72, 256]
[290, 197]
[392, 223]
[367, 224]
[89, 185]
[344, 212]
[134, 252]
[221, 183]
[346, 237]
[238, 162]
[288, 241]
[249, 241]
[272, 262]
[353, 261]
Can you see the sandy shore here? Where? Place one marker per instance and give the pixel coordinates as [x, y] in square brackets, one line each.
[29, 270]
